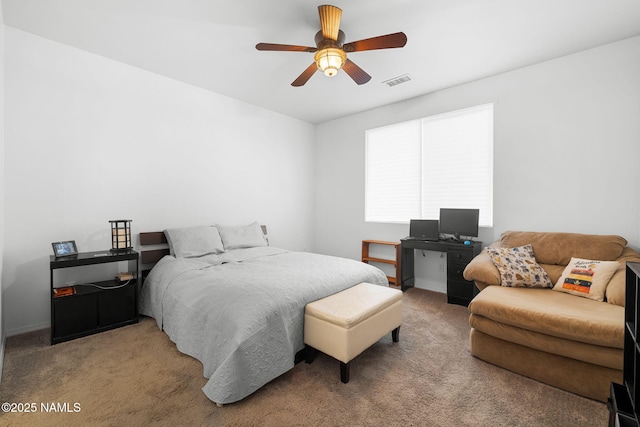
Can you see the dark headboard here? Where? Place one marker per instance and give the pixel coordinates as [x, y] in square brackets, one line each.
[148, 258]
[149, 239]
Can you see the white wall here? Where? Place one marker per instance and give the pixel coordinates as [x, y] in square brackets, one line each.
[2, 201]
[89, 139]
[566, 150]
[79, 126]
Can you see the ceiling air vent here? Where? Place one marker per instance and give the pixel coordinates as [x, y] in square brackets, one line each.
[398, 80]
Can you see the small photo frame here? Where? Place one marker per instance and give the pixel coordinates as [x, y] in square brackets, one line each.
[62, 249]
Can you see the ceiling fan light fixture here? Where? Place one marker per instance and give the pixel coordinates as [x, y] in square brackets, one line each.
[331, 51]
[329, 60]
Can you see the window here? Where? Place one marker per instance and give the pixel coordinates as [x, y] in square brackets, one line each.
[414, 168]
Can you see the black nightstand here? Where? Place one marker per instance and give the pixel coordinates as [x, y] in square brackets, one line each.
[94, 307]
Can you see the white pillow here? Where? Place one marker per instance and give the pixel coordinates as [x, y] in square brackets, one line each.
[242, 236]
[586, 278]
[191, 242]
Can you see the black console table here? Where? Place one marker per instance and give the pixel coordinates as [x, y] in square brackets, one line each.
[459, 290]
[94, 307]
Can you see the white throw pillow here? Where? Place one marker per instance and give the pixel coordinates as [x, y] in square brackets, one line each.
[191, 242]
[242, 236]
[586, 278]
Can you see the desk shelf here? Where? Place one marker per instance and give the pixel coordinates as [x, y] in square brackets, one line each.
[393, 280]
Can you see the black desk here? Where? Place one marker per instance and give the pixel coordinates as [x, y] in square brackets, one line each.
[459, 290]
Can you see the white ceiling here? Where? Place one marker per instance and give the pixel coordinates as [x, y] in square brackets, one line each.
[211, 43]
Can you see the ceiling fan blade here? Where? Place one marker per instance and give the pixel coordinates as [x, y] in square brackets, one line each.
[356, 73]
[285, 47]
[305, 76]
[388, 41]
[330, 21]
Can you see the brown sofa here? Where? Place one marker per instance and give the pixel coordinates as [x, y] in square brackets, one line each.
[567, 341]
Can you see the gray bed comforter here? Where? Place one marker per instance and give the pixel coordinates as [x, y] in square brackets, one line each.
[241, 313]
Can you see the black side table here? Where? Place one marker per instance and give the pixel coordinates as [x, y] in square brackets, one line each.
[96, 306]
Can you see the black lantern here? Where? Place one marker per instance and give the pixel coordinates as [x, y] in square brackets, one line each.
[120, 235]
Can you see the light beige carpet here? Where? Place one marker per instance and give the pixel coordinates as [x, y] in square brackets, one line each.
[135, 376]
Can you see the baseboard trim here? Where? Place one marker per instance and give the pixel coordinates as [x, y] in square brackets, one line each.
[2, 345]
[431, 286]
[30, 328]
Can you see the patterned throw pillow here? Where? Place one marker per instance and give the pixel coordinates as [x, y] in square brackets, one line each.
[586, 278]
[518, 267]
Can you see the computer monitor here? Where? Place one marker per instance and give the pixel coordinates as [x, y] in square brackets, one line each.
[459, 222]
[424, 229]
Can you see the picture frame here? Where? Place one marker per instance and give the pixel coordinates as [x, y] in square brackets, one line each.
[66, 248]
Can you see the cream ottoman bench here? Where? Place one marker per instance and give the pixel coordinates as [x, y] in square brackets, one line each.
[345, 324]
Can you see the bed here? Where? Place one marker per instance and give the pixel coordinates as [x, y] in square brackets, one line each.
[236, 304]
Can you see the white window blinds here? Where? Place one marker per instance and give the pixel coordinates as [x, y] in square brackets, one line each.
[415, 168]
[392, 164]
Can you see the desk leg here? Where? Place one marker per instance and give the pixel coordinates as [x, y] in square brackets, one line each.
[407, 263]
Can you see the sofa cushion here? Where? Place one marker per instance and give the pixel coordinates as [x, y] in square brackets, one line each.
[559, 248]
[586, 278]
[553, 313]
[586, 379]
[554, 271]
[588, 353]
[518, 267]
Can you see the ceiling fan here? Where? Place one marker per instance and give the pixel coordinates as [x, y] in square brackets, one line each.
[331, 52]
